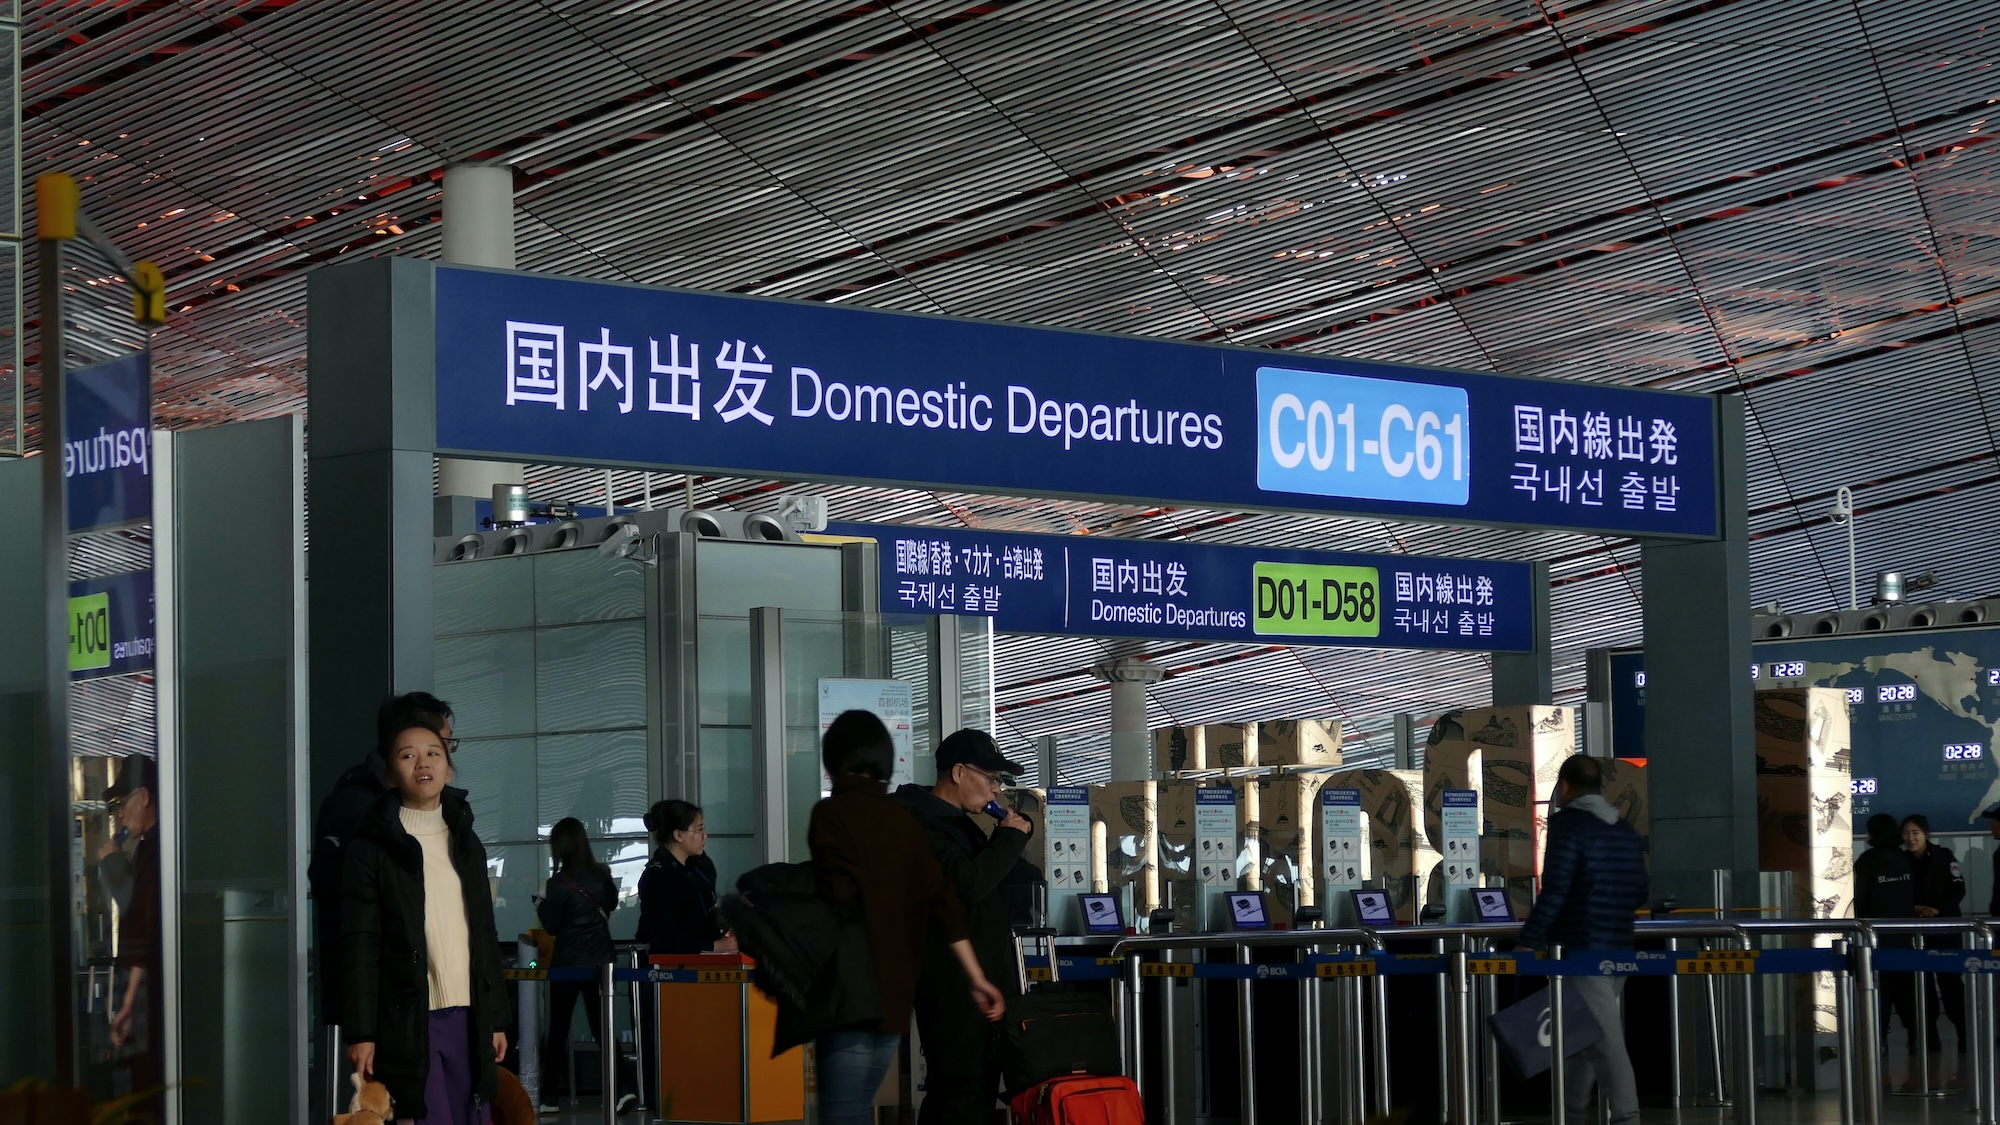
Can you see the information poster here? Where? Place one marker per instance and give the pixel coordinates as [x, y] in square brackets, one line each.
[1340, 828]
[1068, 827]
[890, 700]
[1461, 837]
[1215, 835]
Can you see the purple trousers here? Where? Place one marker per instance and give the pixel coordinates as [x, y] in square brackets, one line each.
[448, 1095]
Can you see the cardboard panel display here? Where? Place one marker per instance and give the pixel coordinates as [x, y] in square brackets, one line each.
[1390, 802]
[1307, 743]
[1804, 784]
[1124, 819]
[1511, 756]
[1179, 748]
[1231, 746]
[1280, 825]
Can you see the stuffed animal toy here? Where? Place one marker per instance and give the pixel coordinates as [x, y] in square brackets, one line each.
[510, 1102]
[370, 1105]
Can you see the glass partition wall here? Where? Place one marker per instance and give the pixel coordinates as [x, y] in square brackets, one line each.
[590, 685]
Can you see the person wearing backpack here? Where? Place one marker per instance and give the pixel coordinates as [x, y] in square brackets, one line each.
[576, 911]
[868, 851]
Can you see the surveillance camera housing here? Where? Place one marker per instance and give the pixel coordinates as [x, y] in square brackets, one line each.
[619, 543]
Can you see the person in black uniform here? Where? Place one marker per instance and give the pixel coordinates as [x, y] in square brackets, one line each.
[1940, 888]
[1885, 887]
[676, 908]
[963, 1078]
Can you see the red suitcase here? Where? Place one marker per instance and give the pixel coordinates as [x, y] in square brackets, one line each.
[1080, 1100]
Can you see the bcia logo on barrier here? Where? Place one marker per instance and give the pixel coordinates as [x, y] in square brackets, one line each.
[1270, 971]
[1981, 965]
[1612, 968]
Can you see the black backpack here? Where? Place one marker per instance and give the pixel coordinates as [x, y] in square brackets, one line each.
[813, 958]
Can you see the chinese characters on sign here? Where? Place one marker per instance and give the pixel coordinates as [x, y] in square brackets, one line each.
[532, 367]
[1443, 603]
[936, 576]
[1576, 459]
[1093, 586]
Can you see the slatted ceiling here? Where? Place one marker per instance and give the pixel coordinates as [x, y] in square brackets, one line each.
[1791, 215]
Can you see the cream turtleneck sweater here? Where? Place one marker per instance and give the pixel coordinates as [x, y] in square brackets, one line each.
[446, 936]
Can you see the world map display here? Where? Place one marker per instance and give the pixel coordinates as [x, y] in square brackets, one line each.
[1924, 709]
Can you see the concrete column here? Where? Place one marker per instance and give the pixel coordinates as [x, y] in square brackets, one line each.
[1700, 734]
[1131, 749]
[478, 231]
[1045, 759]
[1523, 678]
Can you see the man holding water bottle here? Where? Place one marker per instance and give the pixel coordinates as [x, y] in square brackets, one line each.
[963, 1080]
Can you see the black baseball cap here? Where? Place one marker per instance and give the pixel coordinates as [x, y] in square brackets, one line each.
[136, 773]
[977, 749]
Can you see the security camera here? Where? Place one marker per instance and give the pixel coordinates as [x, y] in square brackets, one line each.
[620, 543]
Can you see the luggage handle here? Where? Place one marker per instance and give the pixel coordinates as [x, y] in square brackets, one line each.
[1048, 939]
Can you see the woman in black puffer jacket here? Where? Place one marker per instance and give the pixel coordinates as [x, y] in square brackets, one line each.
[422, 1002]
[577, 912]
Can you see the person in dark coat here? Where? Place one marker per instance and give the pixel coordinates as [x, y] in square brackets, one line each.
[1992, 816]
[867, 850]
[676, 908]
[677, 889]
[423, 1007]
[1593, 882]
[339, 818]
[1940, 888]
[1885, 887]
[138, 1024]
[576, 911]
[962, 1081]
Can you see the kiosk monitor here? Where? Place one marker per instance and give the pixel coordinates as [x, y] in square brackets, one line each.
[1373, 908]
[1100, 914]
[1492, 905]
[1248, 911]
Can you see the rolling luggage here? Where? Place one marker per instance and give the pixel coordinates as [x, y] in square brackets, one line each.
[1059, 1054]
[1083, 1100]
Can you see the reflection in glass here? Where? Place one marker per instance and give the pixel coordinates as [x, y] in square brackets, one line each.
[597, 778]
[489, 680]
[483, 597]
[499, 776]
[591, 677]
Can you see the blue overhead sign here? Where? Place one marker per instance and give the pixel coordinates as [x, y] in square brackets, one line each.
[108, 443]
[1097, 586]
[557, 369]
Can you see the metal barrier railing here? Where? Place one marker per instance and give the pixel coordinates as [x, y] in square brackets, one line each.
[1342, 961]
[1344, 958]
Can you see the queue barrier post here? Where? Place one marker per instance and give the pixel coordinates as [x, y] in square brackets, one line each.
[1558, 1065]
[1246, 1040]
[1381, 1044]
[1746, 1042]
[1869, 1094]
[607, 1053]
[1311, 1111]
[1677, 1070]
[1134, 1027]
[1843, 1015]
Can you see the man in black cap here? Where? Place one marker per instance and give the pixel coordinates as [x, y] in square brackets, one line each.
[963, 1080]
[1992, 816]
[137, 1017]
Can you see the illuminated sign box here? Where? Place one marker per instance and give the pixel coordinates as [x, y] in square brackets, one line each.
[564, 370]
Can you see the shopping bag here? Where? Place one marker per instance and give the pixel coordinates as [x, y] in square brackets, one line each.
[1523, 1031]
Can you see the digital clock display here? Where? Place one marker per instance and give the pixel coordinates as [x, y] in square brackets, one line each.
[1756, 670]
[1993, 677]
[1896, 693]
[1857, 695]
[1639, 679]
[1964, 752]
[1864, 787]
[1788, 670]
